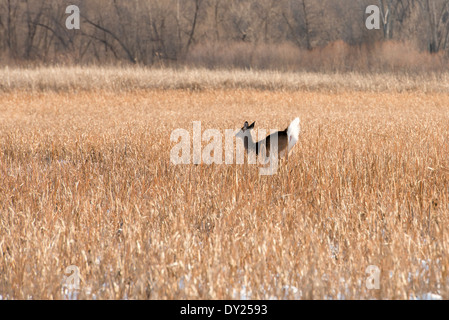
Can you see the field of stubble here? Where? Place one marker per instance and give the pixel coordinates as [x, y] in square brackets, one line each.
[86, 180]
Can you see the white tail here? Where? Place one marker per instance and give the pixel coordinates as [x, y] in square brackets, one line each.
[293, 133]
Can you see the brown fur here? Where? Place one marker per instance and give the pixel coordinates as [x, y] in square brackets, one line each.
[282, 138]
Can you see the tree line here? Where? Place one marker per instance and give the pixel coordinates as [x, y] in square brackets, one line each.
[177, 32]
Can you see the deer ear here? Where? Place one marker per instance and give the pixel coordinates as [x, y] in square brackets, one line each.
[252, 125]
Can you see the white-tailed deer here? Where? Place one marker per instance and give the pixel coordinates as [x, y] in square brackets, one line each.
[286, 139]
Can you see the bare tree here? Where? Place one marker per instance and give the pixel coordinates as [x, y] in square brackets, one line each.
[437, 14]
[11, 36]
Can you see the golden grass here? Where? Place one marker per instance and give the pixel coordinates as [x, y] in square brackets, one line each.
[76, 78]
[86, 180]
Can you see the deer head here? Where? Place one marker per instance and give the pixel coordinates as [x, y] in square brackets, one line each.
[241, 134]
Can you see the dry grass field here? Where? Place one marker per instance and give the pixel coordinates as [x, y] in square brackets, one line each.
[86, 180]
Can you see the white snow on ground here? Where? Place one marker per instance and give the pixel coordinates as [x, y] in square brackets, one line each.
[288, 291]
[427, 296]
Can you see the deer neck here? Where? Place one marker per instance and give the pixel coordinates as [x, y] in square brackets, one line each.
[249, 144]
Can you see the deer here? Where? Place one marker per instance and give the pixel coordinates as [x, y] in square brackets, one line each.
[286, 139]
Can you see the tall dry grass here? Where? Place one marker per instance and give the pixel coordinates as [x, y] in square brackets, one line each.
[86, 180]
[124, 79]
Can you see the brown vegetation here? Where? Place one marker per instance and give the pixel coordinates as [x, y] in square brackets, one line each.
[301, 35]
[86, 180]
[125, 79]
